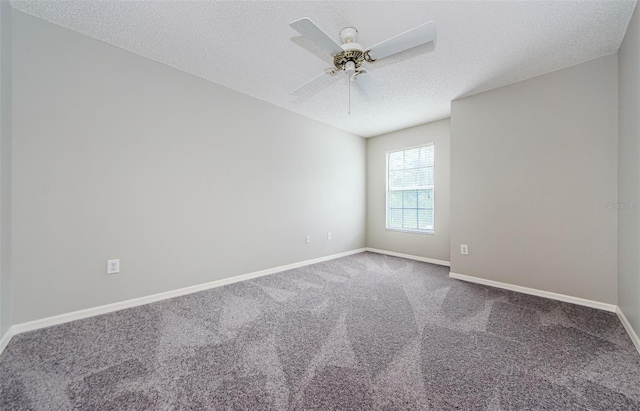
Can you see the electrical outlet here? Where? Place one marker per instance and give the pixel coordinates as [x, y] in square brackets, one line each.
[113, 266]
[308, 239]
[328, 236]
[464, 249]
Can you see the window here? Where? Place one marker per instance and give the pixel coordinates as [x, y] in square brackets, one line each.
[410, 189]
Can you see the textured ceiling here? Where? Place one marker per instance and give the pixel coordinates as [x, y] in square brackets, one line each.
[249, 47]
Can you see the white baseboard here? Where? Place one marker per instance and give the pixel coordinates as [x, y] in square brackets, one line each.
[539, 293]
[108, 308]
[4, 341]
[103, 309]
[409, 256]
[630, 330]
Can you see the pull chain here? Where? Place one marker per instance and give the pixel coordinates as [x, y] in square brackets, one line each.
[349, 80]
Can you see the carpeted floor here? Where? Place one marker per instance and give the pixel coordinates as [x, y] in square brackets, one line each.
[361, 332]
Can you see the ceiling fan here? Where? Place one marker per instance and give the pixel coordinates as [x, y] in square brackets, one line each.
[350, 56]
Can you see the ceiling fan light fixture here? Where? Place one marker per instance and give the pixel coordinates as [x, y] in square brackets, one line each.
[350, 68]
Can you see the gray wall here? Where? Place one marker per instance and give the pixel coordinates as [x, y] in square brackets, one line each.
[5, 166]
[629, 174]
[118, 156]
[533, 181]
[434, 246]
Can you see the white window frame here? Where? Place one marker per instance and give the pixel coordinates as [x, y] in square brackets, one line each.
[432, 187]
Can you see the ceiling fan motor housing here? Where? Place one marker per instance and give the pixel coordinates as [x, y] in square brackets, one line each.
[353, 52]
[341, 60]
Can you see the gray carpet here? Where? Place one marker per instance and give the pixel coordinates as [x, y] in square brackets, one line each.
[361, 332]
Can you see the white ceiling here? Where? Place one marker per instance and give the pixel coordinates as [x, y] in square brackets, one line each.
[248, 46]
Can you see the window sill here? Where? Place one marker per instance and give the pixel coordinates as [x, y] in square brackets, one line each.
[400, 230]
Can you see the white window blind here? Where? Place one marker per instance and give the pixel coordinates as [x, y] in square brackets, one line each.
[410, 182]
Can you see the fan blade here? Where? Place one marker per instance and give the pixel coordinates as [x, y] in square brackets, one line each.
[308, 28]
[363, 80]
[313, 82]
[405, 41]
